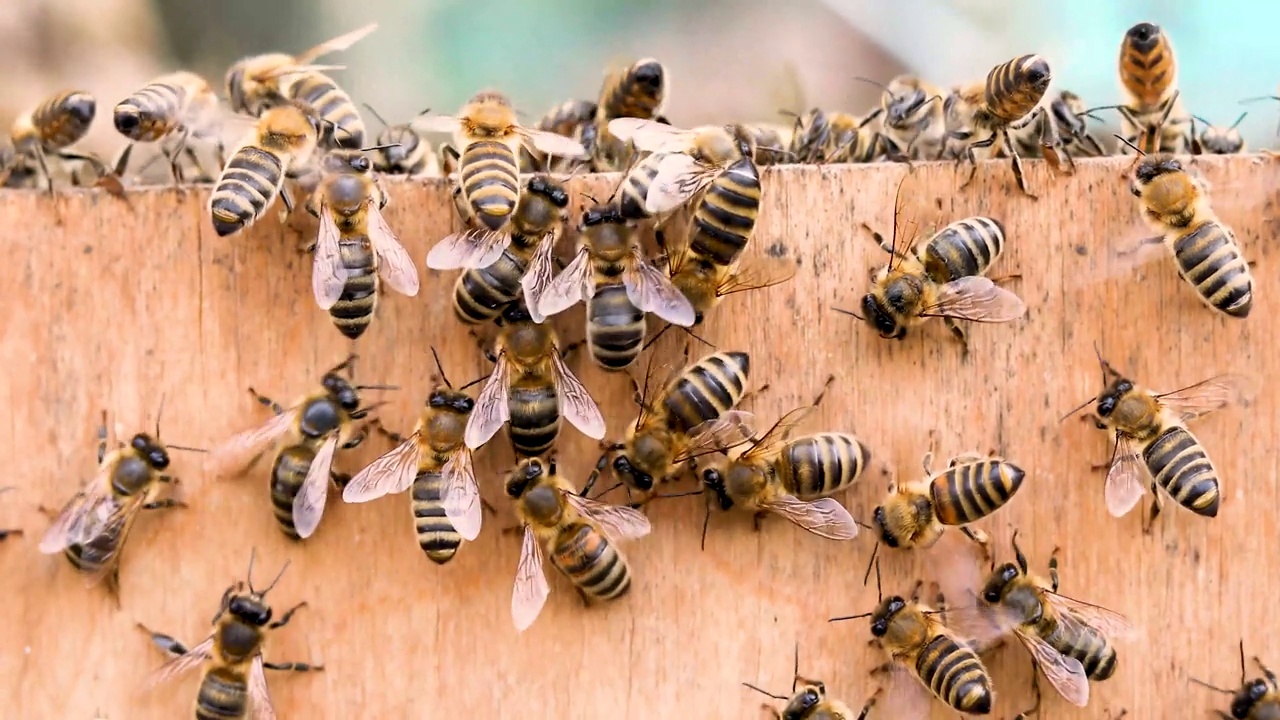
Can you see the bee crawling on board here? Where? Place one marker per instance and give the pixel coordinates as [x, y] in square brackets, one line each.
[1057, 134]
[575, 119]
[635, 92]
[41, 139]
[1256, 699]
[687, 161]
[913, 123]
[1213, 140]
[1153, 118]
[810, 700]
[172, 110]
[402, 150]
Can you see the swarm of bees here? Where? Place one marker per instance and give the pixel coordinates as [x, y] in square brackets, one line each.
[303, 133]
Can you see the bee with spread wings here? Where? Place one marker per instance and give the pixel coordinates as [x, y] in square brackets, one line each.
[690, 159]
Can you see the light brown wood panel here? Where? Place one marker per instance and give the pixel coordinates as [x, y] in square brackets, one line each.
[114, 306]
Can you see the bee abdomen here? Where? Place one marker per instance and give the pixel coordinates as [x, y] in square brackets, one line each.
[823, 464]
[535, 419]
[490, 181]
[156, 108]
[956, 675]
[591, 563]
[615, 327]
[1180, 466]
[287, 474]
[1087, 646]
[963, 249]
[635, 189]
[223, 695]
[248, 184]
[479, 294]
[353, 312]
[64, 118]
[1209, 258]
[726, 216]
[707, 390]
[1009, 94]
[1146, 63]
[973, 490]
[637, 93]
[334, 105]
[436, 535]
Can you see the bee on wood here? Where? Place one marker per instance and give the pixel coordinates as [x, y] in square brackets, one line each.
[1256, 699]
[172, 109]
[912, 123]
[402, 150]
[688, 161]
[810, 701]
[575, 119]
[822, 137]
[44, 135]
[635, 92]
[1058, 133]
[1214, 140]
[1154, 118]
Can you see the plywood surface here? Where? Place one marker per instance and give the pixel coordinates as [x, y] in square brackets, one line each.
[112, 306]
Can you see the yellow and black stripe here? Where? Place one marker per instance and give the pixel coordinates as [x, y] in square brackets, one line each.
[956, 675]
[706, 390]
[1180, 465]
[436, 535]
[822, 464]
[1014, 88]
[1147, 65]
[353, 312]
[615, 327]
[591, 562]
[490, 181]
[333, 105]
[247, 185]
[479, 294]
[1086, 645]
[534, 420]
[64, 119]
[1210, 260]
[973, 490]
[726, 216]
[963, 249]
[151, 113]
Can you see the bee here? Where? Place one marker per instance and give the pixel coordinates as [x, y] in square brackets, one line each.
[256, 83]
[1154, 118]
[810, 701]
[436, 464]
[792, 477]
[93, 526]
[44, 135]
[526, 265]
[619, 285]
[1067, 639]
[281, 144]
[234, 683]
[402, 150]
[838, 137]
[306, 437]
[946, 279]
[1256, 699]
[1149, 429]
[1211, 140]
[179, 106]
[356, 248]
[912, 121]
[635, 92]
[489, 134]
[1012, 92]
[771, 142]
[1060, 132]
[530, 388]
[579, 534]
[1209, 258]
[574, 119]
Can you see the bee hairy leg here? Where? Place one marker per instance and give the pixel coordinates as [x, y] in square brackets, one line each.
[981, 538]
[752, 394]
[167, 643]
[102, 438]
[960, 335]
[378, 427]
[5, 534]
[267, 402]
[881, 669]
[485, 504]
[773, 711]
[288, 615]
[568, 350]
[601, 464]
[1156, 506]
[915, 591]
[1053, 569]
[871, 702]
[172, 480]
[586, 599]
[293, 667]
[355, 440]
[513, 529]
[1035, 692]
[1266, 672]
[339, 480]
[165, 504]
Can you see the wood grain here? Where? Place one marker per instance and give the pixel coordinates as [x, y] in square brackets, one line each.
[113, 306]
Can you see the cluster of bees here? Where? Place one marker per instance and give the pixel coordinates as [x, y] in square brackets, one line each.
[509, 189]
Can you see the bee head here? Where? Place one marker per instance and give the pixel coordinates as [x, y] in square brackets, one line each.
[1248, 696]
[878, 316]
[451, 399]
[525, 474]
[648, 73]
[609, 213]
[157, 457]
[1143, 36]
[250, 609]
[712, 480]
[553, 191]
[886, 537]
[999, 580]
[802, 704]
[1153, 166]
[631, 475]
[342, 390]
[884, 614]
[1108, 400]
[903, 107]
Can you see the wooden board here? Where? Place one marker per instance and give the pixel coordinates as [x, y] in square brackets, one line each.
[114, 306]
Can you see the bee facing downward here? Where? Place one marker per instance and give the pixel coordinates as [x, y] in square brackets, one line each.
[45, 133]
[810, 701]
[1256, 699]
[403, 150]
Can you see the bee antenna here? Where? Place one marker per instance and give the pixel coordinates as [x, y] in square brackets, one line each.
[1126, 142]
[1077, 409]
[371, 148]
[1214, 688]
[1101, 107]
[279, 575]
[474, 382]
[869, 81]
[764, 692]
[706, 522]
[608, 490]
[871, 563]
[159, 412]
[879, 591]
[1239, 120]
[1259, 98]
[375, 114]
[440, 367]
[1206, 122]
[253, 554]
[668, 496]
[848, 312]
[842, 618]
[186, 448]
[377, 387]
[695, 336]
[592, 199]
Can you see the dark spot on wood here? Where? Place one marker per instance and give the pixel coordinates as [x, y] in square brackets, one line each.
[88, 249]
[778, 249]
[1081, 250]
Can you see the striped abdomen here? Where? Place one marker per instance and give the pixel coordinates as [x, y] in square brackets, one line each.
[1087, 645]
[223, 695]
[636, 92]
[287, 474]
[635, 188]
[479, 294]
[822, 464]
[332, 104]
[64, 118]
[571, 118]
[93, 555]
[591, 562]
[706, 390]
[248, 184]
[535, 417]
[726, 215]
[964, 248]
[151, 113]
[1209, 258]
[1147, 67]
[436, 535]
[490, 182]
[1180, 466]
[956, 675]
[615, 327]
[973, 490]
[353, 312]
[1016, 87]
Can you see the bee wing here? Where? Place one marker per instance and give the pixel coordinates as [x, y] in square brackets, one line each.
[462, 495]
[342, 42]
[395, 265]
[435, 123]
[1077, 612]
[1209, 395]
[679, 178]
[773, 440]
[308, 504]
[650, 135]
[1124, 486]
[468, 249]
[90, 507]
[328, 273]
[977, 299]
[756, 276]
[491, 409]
[729, 430]
[620, 523]
[238, 451]
[388, 475]
[260, 705]
[117, 525]
[823, 517]
[1066, 674]
[182, 664]
[295, 68]
[537, 277]
[553, 144]
[531, 589]
[650, 290]
[571, 286]
[575, 402]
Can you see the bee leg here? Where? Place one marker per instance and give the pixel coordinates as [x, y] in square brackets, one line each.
[288, 615]
[171, 479]
[166, 643]
[1266, 671]
[586, 600]
[915, 591]
[959, 334]
[113, 585]
[293, 667]
[755, 519]
[871, 702]
[288, 204]
[773, 711]
[44, 168]
[4, 534]
[1156, 507]
[394, 437]
[882, 668]
[753, 393]
[102, 438]
[595, 474]
[981, 538]
[340, 480]
[164, 504]
[1138, 246]
[568, 350]
[1053, 569]
[1035, 691]
[355, 440]
[485, 504]
[266, 401]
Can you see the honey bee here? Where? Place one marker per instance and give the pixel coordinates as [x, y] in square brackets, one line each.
[1256, 699]
[93, 526]
[579, 534]
[771, 142]
[44, 135]
[1176, 205]
[945, 278]
[402, 150]
[1067, 639]
[619, 285]
[837, 137]
[1059, 133]
[1212, 140]
[177, 106]
[792, 477]
[688, 161]
[912, 123]
[1012, 92]
[280, 146]
[356, 248]
[1154, 118]
[635, 92]
[574, 119]
[489, 134]
[810, 701]
[530, 388]
[234, 683]
[526, 265]
[306, 437]
[435, 463]
[1149, 429]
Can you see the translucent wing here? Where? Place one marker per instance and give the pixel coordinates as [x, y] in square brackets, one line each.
[678, 179]
[1077, 612]
[553, 144]
[388, 475]
[650, 135]
[468, 249]
[81, 517]
[537, 277]
[462, 495]
[435, 123]
[182, 664]
[241, 449]
[491, 409]
[620, 523]
[1124, 486]
[308, 504]
[296, 68]
[1066, 674]
[531, 589]
[328, 273]
[977, 299]
[571, 286]
[106, 541]
[731, 429]
[260, 706]
[575, 402]
[650, 290]
[342, 42]
[1210, 395]
[395, 265]
[823, 517]
[755, 277]
[773, 440]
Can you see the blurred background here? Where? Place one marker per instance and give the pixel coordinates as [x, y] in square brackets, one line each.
[728, 59]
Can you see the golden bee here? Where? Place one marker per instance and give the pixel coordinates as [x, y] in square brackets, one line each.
[530, 388]
[1256, 699]
[45, 133]
[912, 123]
[837, 137]
[810, 701]
[402, 150]
[1214, 140]
[1060, 132]
[234, 682]
[574, 119]
[1154, 118]
[172, 109]
[580, 535]
[687, 161]
[636, 92]
[771, 142]
[356, 250]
